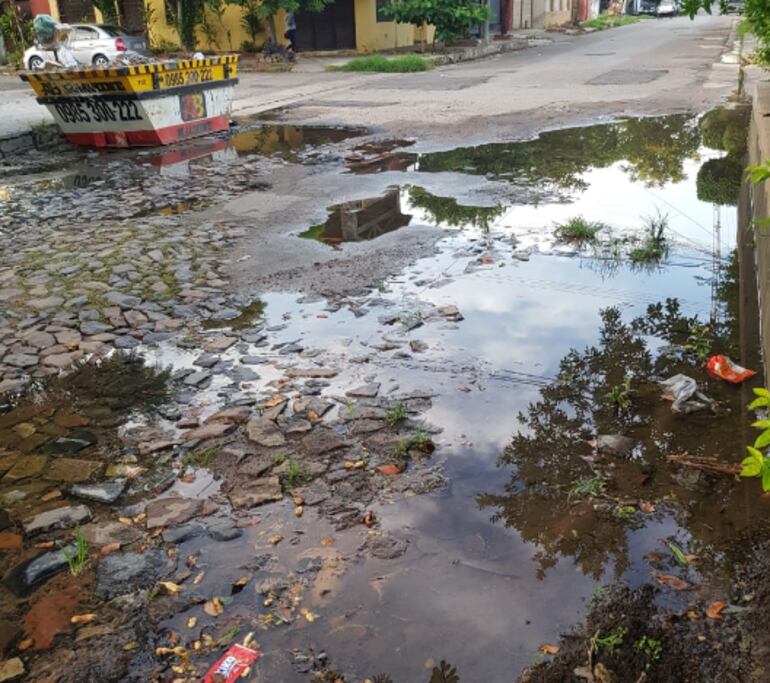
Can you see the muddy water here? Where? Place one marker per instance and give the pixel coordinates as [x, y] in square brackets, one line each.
[506, 555]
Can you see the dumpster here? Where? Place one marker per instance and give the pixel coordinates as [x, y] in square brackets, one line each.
[139, 105]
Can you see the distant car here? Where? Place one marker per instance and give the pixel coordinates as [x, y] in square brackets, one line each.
[647, 7]
[735, 6]
[91, 44]
[667, 8]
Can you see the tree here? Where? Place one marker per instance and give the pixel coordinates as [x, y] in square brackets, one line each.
[452, 18]
[109, 11]
[267, 9]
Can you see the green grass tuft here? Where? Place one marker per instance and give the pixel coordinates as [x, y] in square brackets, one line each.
[77, 560]
[381, 64]
[610, 21]
[395, 414]
[655, 246]
[578, 229]
[296, 474]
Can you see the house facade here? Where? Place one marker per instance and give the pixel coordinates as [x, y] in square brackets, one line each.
[514, 15]
[343, 25]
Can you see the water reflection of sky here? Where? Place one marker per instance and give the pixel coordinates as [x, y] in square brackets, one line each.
[469, 590]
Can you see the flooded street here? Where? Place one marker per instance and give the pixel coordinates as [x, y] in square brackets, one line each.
[434, 431]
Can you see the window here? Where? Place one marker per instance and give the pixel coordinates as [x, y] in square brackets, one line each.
[84, 33]
[380, 15]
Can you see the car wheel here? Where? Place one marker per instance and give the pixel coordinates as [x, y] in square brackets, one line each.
[100, 60]
[35, 63]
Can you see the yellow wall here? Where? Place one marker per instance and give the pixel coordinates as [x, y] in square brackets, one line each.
[560, 14]
[54, 7]
[374, 35]
[371, 35]
[162, 31]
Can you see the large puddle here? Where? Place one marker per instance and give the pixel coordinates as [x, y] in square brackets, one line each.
[556, 343]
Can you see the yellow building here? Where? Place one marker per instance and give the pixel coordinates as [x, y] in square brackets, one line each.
[343, 25]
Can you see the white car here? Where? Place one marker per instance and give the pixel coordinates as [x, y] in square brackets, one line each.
[667, 8]
[91, 44]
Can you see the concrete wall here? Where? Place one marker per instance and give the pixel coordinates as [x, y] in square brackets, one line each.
[374, 35]
[558, 12]
[756, 206]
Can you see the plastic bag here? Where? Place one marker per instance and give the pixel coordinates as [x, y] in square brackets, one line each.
[44, 28]
[229, 667]
[683, 391]
[723, 368]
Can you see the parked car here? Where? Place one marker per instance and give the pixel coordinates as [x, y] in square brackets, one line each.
[91, 44]
[667, 8]
[647, 7]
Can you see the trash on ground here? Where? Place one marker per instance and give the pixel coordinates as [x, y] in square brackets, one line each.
[232, 664]
[723, 368]
[706, 463]
[683, 391]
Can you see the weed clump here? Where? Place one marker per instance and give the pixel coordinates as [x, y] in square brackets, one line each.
[77, 559]
[655, 246]
[579, 230]
[381, 64]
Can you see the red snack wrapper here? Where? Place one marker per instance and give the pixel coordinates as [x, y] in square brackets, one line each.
[724, 368]
[229, 667]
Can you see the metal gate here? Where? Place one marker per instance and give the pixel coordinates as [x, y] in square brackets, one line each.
[332, 29]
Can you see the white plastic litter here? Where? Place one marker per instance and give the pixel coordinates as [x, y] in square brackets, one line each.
[683, 391]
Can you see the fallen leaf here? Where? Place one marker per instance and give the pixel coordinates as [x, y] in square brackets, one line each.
[109, 548]
[191, 622]
[549, 649]
[647, 506]
[673, 582]
[369, 519]
[715, 610]
[313, 416]
[238, 585]
[124, 520]
[213, 607]
[140, 518]
[247, 639]
[44, 545]
[130, 646]
[275, 540]
[199, 578]
[82, 618]
[171, 587]
[389, 469]
[486, 259]
[191, 561]
[278, 398]
[298, 511]
[298, 500]
[188, 478]
[308, 615]
[26, 644]
[693, 616]
[328, 540]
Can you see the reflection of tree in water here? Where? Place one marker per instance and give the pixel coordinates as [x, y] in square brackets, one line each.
[443, 673]
[447, 210]
[654, 148]
[551, 451]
